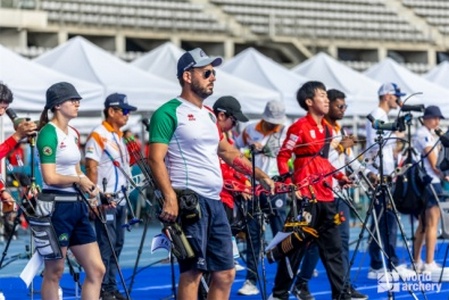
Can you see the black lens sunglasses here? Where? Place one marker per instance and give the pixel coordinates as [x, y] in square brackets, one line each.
[207, 73]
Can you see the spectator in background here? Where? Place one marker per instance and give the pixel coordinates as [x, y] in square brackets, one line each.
[228, 111]
[105, 149]
[427, 230]
[266, 138]
[389, 95]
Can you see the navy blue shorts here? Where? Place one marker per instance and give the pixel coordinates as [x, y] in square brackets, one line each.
[210, 239]
[71, 223]
[430, 197]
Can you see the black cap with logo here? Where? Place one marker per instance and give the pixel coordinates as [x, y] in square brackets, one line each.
[230, 106]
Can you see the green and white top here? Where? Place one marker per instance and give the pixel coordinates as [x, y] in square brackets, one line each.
[192, 137]
[56, 147]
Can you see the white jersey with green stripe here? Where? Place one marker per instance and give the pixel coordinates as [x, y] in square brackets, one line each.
[57, 147]
[192, 137]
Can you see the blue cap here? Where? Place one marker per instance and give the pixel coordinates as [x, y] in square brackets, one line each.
[432, 111]
[118, 100]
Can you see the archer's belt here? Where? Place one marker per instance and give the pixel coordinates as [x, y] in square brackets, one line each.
[67, 198]
[47, 195]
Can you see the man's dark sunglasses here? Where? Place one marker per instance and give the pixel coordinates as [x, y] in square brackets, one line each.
[124, 111]
[207, 73]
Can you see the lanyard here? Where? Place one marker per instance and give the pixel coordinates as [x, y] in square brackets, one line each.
[119, 148]
[115, 163]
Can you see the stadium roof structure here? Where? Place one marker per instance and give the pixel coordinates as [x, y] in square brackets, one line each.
[29, 82]
[439, 74]
[163, 62]
[255, 67]
[430, 93]
[82, 59]
[360, 90]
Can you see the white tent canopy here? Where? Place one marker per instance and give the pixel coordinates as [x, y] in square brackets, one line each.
[29, 81]
[253, 66]
[360, 90]
[439, 75]
[82, 59]
[163, 62]
[432, 94]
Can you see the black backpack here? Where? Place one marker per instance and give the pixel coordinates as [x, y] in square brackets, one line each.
[409, 190]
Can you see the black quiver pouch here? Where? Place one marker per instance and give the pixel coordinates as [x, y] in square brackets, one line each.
[189, 206]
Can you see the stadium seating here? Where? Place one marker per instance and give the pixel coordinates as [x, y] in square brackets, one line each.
[435, 12]
[158, 15]
[343, 19]
[352, 30]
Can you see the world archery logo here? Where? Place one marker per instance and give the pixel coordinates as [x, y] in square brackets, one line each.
[387, 282]
[394, 282]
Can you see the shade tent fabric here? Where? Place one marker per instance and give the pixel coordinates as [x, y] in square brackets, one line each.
[163, 60]
[432, 94]
[255, 67]
[29, 81]
[439, 75]
[360, 90]
[80, 58]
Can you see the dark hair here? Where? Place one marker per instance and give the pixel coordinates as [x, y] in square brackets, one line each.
[5, 93]
[334, 94]
[181, 81]
[44, 119]
[307, 91]
[106, 112]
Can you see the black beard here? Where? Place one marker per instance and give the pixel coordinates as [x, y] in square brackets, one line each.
[201, 92]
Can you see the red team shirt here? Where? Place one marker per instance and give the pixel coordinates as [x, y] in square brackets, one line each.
[5, 148]
[230, 174]
[305, 140]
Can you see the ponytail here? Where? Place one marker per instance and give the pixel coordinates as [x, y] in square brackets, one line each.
[43, 119]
